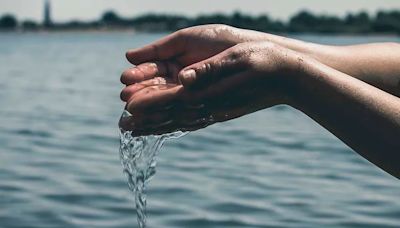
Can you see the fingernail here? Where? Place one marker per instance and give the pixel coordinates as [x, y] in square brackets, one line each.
[189, 76]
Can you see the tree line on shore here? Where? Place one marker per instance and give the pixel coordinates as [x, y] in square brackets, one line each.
[301, 22]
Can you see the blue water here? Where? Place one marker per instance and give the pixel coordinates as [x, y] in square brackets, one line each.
[59, 162]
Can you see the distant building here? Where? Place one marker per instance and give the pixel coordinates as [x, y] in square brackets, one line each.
[47, 15]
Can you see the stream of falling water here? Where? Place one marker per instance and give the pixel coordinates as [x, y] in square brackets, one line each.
[138, 158]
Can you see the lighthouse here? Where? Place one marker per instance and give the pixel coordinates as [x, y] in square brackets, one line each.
[47, 15]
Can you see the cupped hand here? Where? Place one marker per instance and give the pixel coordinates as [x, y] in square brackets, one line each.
[167, 56]
[237, 81]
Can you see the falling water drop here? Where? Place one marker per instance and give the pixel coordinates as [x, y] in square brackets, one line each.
[138, 157]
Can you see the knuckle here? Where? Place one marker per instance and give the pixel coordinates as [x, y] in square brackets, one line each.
[155, 50]
[240, 55]
[207, 67]
[270, 45]
[235, 55]
[223, 27]
[253, 58]
[181, 36]
[204, 68]
[181, 33]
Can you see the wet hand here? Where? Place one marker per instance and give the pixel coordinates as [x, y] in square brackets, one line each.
[167, 56]
[237, 81]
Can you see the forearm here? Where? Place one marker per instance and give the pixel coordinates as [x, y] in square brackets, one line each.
[364, 117]
[376, 64]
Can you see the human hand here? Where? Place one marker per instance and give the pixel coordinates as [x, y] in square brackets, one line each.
[172, 53]
[160, 63]
[239, 80]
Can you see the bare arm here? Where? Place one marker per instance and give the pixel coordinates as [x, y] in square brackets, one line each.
[216, 76]
[376, 64]
[364, 117]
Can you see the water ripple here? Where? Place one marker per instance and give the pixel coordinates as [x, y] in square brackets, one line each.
[59, 163]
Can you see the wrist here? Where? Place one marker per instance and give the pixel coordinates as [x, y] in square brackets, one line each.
[298, 78]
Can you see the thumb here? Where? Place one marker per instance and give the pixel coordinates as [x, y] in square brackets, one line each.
[212, 69]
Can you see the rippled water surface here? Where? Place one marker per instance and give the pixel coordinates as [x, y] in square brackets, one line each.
[59, 162]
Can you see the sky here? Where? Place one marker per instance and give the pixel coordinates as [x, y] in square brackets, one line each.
[64, 10]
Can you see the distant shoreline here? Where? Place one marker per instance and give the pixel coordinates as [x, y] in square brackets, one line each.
[384, 23]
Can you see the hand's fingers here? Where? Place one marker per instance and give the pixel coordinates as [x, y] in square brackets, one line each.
[142, 119]
[130, 90]
[166, 48]
[185, 119]
[153, 94]
[143, 72]
[135, 123]
[190, 121]
[153, 97]
[228, 62]
[178, 114]
[146, 71]
[219, 92]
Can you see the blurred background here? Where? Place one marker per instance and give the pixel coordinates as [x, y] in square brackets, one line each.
[60, 63]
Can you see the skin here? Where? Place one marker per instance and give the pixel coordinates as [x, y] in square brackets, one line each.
[207, 74]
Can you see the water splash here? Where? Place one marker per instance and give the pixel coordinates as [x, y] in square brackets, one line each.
[138, 158]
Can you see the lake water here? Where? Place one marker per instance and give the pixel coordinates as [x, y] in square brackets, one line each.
[59, 161]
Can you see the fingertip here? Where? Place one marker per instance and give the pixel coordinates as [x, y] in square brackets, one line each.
[129, 55]
[137, 56]
[124, 95]
[123, 77]
[142, 55]
[131, 76]
[187, 77]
